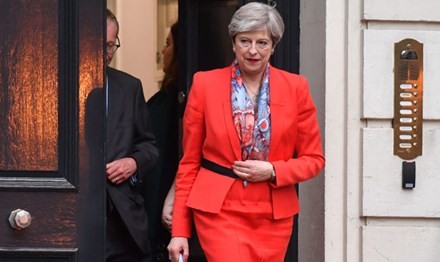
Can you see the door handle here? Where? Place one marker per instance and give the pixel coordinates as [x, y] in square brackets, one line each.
[20, 219]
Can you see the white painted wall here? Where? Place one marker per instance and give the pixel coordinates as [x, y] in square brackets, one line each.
[382, 195]
[339, 97]
[401, 243]
[138, 30]
[368, 216]
[401, 10]
[401, 225]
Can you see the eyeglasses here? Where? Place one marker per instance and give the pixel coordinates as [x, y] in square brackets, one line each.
[112, 47]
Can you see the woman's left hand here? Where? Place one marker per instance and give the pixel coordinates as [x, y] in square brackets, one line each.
[253, 170]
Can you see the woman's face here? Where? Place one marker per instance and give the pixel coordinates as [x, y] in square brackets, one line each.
[168, 53]
[253, 50]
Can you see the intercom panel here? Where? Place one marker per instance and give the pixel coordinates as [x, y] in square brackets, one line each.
[408, 98]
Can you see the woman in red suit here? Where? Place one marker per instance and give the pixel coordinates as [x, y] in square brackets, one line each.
[242, 126]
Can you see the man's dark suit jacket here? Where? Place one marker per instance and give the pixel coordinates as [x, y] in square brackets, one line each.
[129, 134]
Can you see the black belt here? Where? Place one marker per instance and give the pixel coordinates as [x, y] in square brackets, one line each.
[221, 170]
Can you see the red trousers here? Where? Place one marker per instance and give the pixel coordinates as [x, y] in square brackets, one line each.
[244, 230]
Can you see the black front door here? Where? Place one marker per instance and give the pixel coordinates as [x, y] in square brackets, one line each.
[52, 192]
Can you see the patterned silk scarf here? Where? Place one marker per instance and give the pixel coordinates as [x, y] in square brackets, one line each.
[253, 129]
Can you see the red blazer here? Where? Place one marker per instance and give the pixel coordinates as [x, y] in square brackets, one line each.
[209, 132]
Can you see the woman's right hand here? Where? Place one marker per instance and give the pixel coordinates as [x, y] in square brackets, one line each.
[167, 209]
[167, 214]
[176, 246]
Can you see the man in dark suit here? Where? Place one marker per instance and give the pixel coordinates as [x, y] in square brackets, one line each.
[131, 152]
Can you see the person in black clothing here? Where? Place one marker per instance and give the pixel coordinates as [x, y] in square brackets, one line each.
[163, 108]
[131, 153]
[158, 186]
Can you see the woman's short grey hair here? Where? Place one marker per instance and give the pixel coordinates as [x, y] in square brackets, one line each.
[254, 16]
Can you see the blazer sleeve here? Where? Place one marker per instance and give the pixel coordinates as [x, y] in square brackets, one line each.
[309, 158]
[145, 152]
[193, 138]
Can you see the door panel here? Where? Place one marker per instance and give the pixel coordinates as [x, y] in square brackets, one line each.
[30, 141]
[51, 58]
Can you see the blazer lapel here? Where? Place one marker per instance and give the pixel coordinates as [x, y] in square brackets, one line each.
[227, 113]
[277, 104]
[113, 105]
